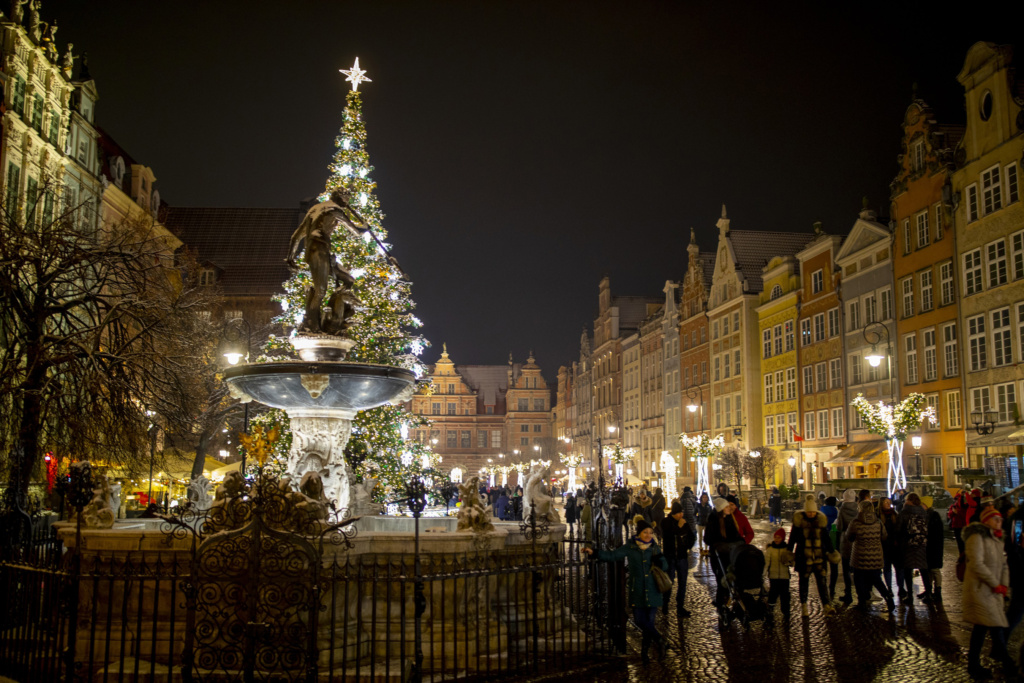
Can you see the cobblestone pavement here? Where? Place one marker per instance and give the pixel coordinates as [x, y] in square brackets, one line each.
[923, 643]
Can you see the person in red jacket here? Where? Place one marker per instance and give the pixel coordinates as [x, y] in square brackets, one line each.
[961, 512]
[742, 523]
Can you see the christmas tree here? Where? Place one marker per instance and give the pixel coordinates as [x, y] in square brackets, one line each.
[382, 327]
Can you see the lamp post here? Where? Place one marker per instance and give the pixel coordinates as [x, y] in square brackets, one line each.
[916, 441]
[873, 333]
[693, 393]
[233, 352]
[152, 451]
[984, 421]
[792, 468]
[600, 462]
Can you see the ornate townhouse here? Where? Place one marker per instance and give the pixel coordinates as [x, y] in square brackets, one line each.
[694, 356]
[673, 380]
[652, 394]
[989, 225]
[928, 332]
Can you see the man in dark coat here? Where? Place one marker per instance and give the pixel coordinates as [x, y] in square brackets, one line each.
[658, 506]
[936, 546]
[912, 537]
[679, 538]
[570, 509]
[775, 507]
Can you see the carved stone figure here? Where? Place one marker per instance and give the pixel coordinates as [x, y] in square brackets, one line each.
[17, 10]
[33, 20]
[361, 499]
[200, 492]
[115, 498]
[535, 493]
[314, 233]
[68, 61]
[310, 499]
[317, 446]
[473, 515]
[98, 513]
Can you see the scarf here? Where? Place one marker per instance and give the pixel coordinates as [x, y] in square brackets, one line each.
[640, 544]
[998, 533]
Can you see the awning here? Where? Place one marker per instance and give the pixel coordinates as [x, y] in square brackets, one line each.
[1010, 435]
[1017, 438]
[860, 453]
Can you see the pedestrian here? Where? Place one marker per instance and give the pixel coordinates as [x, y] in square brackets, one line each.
[958, 513]
[641, 553]
[501, 505]
[641, 507]
[984, 591]
[702, 512]
[848, 512]
[570, 509]
[912, 537]
[1012, 540]
[679, 536]
[586, 518]
[936, 547]
[775, 507]
[891, 555]
[777, 561]
[830, 509]
[658, 506]
[722, 534]
[722, 490]
[811, 547]
[746, 531]
[865, 535]
[689, 502]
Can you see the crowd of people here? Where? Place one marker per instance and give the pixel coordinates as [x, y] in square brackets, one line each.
[876, 545]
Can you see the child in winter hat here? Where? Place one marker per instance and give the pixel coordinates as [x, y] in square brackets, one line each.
[778, 559]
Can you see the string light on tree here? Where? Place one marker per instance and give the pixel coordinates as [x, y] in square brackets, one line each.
[893, 423]
[703, 447]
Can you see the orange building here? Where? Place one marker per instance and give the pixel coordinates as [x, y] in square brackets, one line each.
[924, 267]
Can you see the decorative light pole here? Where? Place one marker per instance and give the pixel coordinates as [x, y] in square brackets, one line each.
[669, 466]
[694, 393]
[572, 461]
[893, 423]
[792, 468]
[873, 334]
[984, 422]
[234, 352]
[916, 442]
[600, 462]
[703, 447]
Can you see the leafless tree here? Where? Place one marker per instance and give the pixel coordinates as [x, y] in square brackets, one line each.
[98, 324]
[763, 466]
[733, 462]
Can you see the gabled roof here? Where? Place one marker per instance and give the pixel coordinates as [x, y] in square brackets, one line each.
[707, 259]
[755, 248]
[489, 381]
[250, 245]
[632, 311]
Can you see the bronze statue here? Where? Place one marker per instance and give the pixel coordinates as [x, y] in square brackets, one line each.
[315, 233]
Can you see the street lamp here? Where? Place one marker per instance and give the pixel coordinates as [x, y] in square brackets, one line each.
[873, 334]
[234, 353]
[916, 442]
[600, 453]
[984, 421]
[792, 467]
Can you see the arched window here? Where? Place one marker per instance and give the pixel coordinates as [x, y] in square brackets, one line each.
[776, 292]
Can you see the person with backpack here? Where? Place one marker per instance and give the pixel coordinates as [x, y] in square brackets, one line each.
[865, 535]
[679, 537]
[848, 512]
[936, 549]
[912, 537]
[984, 591]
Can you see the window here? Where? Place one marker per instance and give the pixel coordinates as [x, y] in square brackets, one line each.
[791, 418]
[819, 327]
[939, 222]
[704, 371]
[808, 379]
[821, 371]
[953, 409]
[19, 96]
[870, 311]
[949, 350]
[538, 404]
[931, 369]
[922, 229]
[686, 376]
[436, 409]
[12, 190]
[37, 113]
[853, 316]
[452, 439]
[805, 331]
[907, 286]
[727, 370]
[910, 345]
[728, 410]
[1020, 329]
[1012, 193]
[956, 462]
[933, 403]
[809, 426]
[833, 322]
[919, 155]
[972, 203]
[714, 330]
[926, 290]
[996, 263]
[776, 292]
[838, 426]
[790, 384]
[835, 373]
[1002, 346]
[946, 283]
[1006, 401]
[817, 281]
[979, 399]
[906, 236]
[739, 411]
[855, 370]
[886, 304]
[822, 424]
[780, 430]
[790, 336]
[725, 326]
[495, 438]
[936, 465]
[452, 408]
[703, 334]
[972, 272]
[490, 410]
[718, 413]
[1017, 251]
[55, 128]
[481, 438]
[207, 277]
[538, 428]
[766, 342]
[524, 404]
[777, 335]
[990, 190]
[718, 374]
[769, 430]
[736, 321]
[524, 441]
[736, 362]
[976, 342]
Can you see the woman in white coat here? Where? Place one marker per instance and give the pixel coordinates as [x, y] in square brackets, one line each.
[984, 591]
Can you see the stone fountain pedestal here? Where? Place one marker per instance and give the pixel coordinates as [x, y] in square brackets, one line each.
[321, 399]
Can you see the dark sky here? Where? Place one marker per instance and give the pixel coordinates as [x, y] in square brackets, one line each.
[523, 149]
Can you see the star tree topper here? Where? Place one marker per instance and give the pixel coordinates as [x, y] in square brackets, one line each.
[355, 75]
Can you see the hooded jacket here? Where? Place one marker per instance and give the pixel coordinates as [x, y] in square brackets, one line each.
[848, 512]
[689, 503]
[914, 556]
[986, 569]
[865, 535]
[777, 561]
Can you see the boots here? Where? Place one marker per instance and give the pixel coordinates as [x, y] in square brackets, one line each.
[645, 649]
[937, 594]
[890, 604]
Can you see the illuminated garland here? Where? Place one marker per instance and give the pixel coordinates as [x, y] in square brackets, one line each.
[893, 422]
[619, 455]
[702, 445]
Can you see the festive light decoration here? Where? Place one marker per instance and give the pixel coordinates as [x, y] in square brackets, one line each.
[51, 471]
[703, 447]
[382, 325]
[619, 456]
[572, 461]
[669, 467]
[893, 423]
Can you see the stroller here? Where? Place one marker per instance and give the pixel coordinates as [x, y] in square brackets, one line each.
[743, 579]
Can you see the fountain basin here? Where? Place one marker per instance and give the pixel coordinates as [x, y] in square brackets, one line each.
[327, 385]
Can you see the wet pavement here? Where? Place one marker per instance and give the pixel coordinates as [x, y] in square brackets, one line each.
[920, 643]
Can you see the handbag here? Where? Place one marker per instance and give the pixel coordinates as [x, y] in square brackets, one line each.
[661, 580]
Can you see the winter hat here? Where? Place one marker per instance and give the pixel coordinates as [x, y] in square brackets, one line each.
[831, 500]
[849, 496]
[809, 504]
[676, 508]
[989, 513]
[976, 493]
[779, 532]
[720, 503]
[640, 523]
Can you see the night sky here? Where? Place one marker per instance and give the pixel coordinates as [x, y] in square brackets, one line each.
[524, 149]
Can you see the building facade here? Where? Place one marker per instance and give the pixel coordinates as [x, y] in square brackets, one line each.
[673, 371]
[694, 355]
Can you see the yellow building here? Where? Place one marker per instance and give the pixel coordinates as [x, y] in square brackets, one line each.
[780, 401]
